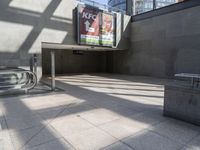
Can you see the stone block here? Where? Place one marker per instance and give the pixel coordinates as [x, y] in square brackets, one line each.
[182, 102]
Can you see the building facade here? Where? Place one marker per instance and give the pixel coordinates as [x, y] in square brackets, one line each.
[120, 4]
[134, 7]
[141, 6]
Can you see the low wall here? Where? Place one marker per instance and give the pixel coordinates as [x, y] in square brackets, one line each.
[182, 102]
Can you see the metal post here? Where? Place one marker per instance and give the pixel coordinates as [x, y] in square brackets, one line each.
[192, 82]
[154, 4]
[134, 7]
[52, 70]
[35, 64]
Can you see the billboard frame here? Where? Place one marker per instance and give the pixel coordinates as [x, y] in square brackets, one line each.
[79, 6]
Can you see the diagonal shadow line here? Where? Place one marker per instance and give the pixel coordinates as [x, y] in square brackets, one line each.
[142, 79]
[43, 128]
[110, 87]
[4, 4]
[114, 83]
[39, 26]
[32, 19]
[33, 35]
[91, 78]
[90, 96]
[36, 123]
[138, 95]
[38, 23]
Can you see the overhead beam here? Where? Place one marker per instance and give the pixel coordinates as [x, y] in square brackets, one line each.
[77, 47]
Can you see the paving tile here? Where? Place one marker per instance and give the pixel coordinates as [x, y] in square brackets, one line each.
[70, 124]
[100, 116]
[58, 144]
[50, 114]
[140, 100]
[191, 148]
[147, 140]
[49, 101]
[177, 130]
[95, 120]
[23, 122]
[128, 126]
[148, 118]
[9, 99]
[5, 140]
[39, 102]
[118, 146]
[16, 109]
[21, 137]
[121, 128]
[93, 139]
[80, 108]
[33, 136]
[194, 144]
[124, 110]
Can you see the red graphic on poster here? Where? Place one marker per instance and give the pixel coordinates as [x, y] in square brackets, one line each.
[89, 21]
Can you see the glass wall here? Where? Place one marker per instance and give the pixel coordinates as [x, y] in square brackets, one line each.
[120, 4]
[140, 6]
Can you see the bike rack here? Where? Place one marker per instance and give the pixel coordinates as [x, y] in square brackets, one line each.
[17, 78]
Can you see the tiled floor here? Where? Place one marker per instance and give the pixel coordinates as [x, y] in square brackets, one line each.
[95, 111]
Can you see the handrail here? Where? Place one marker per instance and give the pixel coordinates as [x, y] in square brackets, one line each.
[27, 83]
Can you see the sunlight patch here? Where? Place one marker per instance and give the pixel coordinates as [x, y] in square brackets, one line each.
[9, 39]
[30, 5]
[47, 35]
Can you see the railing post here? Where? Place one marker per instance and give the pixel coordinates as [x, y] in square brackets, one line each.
[154, 4]
[52, 70]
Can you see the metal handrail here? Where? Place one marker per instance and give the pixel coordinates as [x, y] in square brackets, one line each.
[25, 84]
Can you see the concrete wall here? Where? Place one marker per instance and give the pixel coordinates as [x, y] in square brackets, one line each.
[68, 62]
[162, 46]
[24, 24]
[182, 102]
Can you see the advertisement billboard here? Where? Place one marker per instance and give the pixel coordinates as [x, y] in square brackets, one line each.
[95, 26]
[107, 29]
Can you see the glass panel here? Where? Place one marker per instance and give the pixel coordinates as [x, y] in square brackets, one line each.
[141, 6]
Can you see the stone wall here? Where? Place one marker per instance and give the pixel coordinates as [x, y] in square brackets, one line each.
[162, 45]
[182, 102]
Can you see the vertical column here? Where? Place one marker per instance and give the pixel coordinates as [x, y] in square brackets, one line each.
[154, 4]
[52, 70]
[134, 8]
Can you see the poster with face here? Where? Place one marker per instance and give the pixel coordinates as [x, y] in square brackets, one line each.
[107, 29]
[95, 26]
